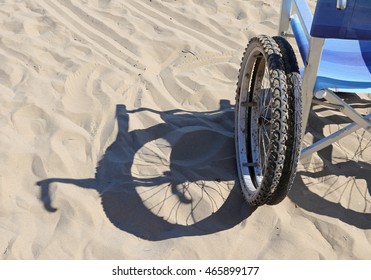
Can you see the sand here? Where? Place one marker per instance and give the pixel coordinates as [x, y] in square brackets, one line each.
[116, 140]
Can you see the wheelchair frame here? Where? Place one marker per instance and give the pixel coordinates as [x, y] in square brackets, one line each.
[299, 13]
[291, 100]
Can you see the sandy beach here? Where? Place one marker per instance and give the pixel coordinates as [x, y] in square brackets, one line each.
[117, 139]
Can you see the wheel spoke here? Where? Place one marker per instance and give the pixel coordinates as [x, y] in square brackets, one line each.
[263, 120]
[262, 150]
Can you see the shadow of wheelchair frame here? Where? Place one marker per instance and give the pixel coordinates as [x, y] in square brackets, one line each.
[196, 193]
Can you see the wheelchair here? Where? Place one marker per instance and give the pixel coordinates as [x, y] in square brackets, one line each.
[274, 95]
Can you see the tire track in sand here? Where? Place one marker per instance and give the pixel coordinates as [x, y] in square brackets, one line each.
[164, 19]
[189, 23]
[107, 46]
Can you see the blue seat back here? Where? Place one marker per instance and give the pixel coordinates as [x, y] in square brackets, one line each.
[354, 22]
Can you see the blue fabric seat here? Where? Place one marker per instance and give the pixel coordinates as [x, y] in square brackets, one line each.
[346, 62]
[345, 66]
[351, 23]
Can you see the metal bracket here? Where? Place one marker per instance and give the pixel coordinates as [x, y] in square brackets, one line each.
[341, 4]
[248, 104]
[250, 164]
[326, 104]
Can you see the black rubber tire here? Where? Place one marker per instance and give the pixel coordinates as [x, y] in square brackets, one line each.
[266, 54]
[294, 122]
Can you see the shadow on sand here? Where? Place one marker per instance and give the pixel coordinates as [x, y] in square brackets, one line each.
[201, 157]
[354, 170]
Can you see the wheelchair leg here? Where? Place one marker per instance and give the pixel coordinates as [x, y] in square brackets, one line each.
[310, 76]
[336, 136]
[338, 103]
[348, 110]
[285, 17]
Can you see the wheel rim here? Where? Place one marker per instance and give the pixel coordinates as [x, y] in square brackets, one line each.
[254, 121]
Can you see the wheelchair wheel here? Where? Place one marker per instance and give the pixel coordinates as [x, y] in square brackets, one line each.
[294, 121]
[261, 121]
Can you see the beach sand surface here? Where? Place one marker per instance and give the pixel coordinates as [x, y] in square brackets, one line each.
[117, 139]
